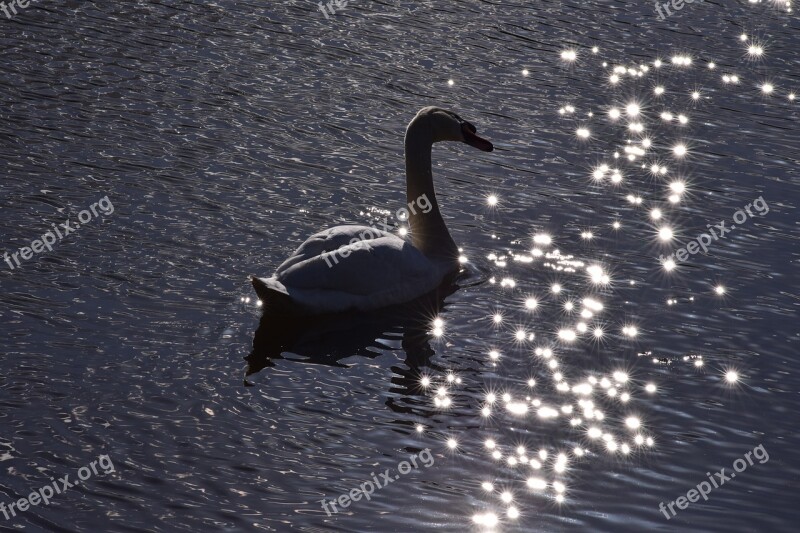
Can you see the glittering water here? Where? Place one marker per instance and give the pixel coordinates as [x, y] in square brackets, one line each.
[591, 361]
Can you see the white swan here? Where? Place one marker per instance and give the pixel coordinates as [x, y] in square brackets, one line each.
[361, 268]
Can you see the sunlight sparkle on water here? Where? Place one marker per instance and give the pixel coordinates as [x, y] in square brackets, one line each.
[485, 519]
[517, 408]
[569, 55]
[597, 275]
[537, 483]
[582, 388]
[630, 331]
[681, 61]
[633, 422]
[678, 187]
[755, 50]
[567, 335]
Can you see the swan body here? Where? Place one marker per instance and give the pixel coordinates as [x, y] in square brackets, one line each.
[362, 268]
[335, 270]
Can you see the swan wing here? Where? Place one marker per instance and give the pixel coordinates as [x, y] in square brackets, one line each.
[355, 267]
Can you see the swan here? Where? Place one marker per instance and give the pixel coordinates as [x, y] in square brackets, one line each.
[361, 268]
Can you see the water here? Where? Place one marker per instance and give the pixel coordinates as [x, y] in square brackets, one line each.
[225, 133]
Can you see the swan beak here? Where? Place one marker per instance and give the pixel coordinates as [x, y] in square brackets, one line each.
[472, 139]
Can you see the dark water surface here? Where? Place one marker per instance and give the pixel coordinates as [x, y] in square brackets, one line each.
[224, 133]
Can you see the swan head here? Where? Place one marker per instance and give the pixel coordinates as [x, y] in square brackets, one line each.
[448, 126]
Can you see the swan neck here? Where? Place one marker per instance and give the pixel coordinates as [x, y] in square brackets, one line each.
[428, 231]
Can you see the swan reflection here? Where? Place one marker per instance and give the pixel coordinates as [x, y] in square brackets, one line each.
[328, 339]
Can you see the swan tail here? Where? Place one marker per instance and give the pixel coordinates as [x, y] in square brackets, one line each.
[273, 295]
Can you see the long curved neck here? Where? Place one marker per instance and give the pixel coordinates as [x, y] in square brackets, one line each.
[428, 231]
